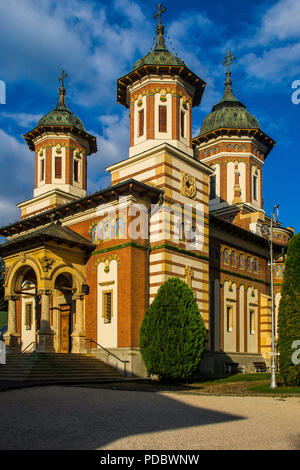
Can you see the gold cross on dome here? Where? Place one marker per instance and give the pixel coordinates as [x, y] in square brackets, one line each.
[62, 77]
[189, 274]
[160, 11]
[229, 58]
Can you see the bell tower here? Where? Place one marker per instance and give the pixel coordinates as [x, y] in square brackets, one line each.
[160, 92]
[233, 144]
[61, 145]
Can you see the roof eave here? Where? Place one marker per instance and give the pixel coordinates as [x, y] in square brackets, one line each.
[148, 69]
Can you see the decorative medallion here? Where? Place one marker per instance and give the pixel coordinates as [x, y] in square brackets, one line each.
[188, 185]
[46, 263]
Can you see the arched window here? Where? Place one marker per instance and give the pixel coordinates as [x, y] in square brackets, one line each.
[192, 234]
[107, 231]
[226, 256]
[255, 266]
[249, 263]
[182, 232]
[119, 228]
[233, 258]
[241, 261]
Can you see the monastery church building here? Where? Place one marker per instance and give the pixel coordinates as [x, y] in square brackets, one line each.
[81, 269]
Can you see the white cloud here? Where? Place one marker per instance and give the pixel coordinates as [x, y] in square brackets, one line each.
[274, 65]
[23, 119]
[111, 149]
[281, 21]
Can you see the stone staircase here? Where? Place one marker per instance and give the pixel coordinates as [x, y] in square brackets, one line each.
[55, 368]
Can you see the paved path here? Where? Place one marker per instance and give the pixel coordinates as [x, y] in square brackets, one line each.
[59, 417]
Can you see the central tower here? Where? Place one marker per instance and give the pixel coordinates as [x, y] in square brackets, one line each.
[160, 92]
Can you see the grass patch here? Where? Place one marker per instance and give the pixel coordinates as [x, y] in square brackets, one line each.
[236, 378]
[280, 390]
[3, 318]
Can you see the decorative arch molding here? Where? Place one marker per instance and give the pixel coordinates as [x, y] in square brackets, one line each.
[14, 273]
[75, 273]
[107, 261]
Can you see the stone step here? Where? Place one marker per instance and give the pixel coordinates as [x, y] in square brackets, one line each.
[45, 366]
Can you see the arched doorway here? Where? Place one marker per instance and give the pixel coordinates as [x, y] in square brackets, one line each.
[28, 307]
[64, 312]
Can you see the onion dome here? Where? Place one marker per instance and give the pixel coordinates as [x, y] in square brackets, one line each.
[229, 113]
[61, 115]
[160, 61]
[61, 119]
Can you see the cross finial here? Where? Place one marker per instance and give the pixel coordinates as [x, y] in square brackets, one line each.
[62, 77]
[229, 58]
[62, 90]
[160, 11]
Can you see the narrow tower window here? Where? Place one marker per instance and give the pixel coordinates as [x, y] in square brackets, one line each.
[162, 119]
[42, 170]
[255, 187]
[58, 167]
[182, 119]
[212, 187]
[76, 171]
[141, 122]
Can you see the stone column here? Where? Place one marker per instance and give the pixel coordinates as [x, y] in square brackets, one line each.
[78, 335]
[45, 333]
[12, 338]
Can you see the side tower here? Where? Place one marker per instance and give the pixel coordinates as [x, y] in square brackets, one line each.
[61, 145]
[160, 92]
[232, 143]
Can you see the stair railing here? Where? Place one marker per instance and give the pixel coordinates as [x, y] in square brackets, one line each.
[33, 345]
[90, 341]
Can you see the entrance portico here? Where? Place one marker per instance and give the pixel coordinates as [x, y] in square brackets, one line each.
[44, 291]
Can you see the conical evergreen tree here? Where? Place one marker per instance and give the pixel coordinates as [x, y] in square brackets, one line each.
[172, 335]
[289, 314]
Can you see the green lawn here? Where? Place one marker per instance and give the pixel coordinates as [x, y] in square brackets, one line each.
[3, 319]
[281, 389]
[237, 378]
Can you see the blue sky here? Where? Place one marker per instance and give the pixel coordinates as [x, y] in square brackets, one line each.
[97, 41]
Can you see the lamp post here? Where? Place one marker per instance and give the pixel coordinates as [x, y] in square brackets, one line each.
[269, 231]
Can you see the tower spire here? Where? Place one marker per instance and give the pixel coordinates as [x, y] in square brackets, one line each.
[229, 58]
[160, 28]
[62, 90]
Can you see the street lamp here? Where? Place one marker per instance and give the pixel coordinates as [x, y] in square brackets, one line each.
[269, 231]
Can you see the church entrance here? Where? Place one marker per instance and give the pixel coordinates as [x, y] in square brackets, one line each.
[65, 328]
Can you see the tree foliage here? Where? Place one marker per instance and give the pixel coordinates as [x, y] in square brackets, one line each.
[172, 335]
[289, 314]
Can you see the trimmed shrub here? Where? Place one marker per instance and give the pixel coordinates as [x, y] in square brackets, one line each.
[289, 314]
[172, 335]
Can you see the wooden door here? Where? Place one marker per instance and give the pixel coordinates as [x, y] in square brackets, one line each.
[65, 312]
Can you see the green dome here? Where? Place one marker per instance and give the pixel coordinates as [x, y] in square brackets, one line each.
[61, 116]
[229, 113]
[158, 56]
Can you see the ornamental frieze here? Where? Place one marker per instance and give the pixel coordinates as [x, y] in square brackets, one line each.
[163, 92]
[107, 261]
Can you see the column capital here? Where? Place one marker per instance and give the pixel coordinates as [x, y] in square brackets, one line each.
[45, 292]
[12, 297]
[78, 296]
